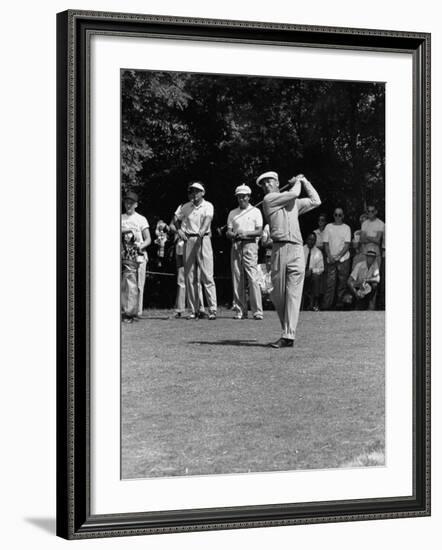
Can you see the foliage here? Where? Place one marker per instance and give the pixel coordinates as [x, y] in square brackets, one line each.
[225, 130]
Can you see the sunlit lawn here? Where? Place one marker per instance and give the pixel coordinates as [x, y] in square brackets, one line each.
[208, 397]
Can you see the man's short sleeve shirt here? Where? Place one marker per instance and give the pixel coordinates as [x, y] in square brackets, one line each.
[249, 219]
[192, 216]
[371, 228]
[336, 235]
[137, 224]
[361, 272]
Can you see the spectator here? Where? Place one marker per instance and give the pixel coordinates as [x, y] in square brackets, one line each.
[314, 267]
[381, 293]
[319, 232]
[356, 242]
[129, 276]
[161, 230]
[180, 301]
[372, 231]
[266, 243]
[130, 219]
[193, 221]
[244, 227]
[363, 281]
[337, 238]
[265, 281]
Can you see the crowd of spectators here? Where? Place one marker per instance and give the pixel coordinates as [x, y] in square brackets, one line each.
[345, 271]
[342, 270]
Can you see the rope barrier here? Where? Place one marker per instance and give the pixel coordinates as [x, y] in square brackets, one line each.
[161, 273]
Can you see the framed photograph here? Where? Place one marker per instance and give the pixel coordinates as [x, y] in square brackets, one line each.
[234, 348]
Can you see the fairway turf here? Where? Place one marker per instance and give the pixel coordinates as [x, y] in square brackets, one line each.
[208, 397]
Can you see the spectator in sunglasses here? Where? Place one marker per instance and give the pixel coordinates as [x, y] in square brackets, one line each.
[337, 239]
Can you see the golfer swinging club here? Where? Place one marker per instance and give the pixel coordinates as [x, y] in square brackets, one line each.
[288, 264]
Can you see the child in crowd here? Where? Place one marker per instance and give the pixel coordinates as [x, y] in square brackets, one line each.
[161, 233]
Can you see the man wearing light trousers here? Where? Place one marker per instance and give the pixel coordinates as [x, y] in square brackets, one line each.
[244, 227]
[194, 220]
[281, 210]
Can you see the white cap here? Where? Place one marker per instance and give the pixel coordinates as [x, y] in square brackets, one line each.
[243, 190]
[273, 175]
[196, 185]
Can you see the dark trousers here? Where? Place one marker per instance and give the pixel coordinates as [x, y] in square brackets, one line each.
[336, 284]
[369, 301]
[312, 286]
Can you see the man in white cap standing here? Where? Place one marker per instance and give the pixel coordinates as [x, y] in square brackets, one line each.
[193, 221]
[288, 262]
[244, 227]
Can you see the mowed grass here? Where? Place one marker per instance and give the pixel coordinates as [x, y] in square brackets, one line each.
[208, 397]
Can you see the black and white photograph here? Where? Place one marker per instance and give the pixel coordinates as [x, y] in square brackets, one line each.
[253, 258]
[234, 350]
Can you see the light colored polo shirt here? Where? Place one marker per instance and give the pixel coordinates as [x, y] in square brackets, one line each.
[282, 211]
[361, 272]
[316, 259]
[319, 237]
[371, 228]
[336, 235]
[249, 219]
[192, 216]
[136, 223]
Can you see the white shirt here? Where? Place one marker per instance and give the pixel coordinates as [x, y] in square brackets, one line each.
[371, 228]
[361, 272]
[191, 216]
[316, 259]
[319, 237]
[249, 219]
[179, 246]
[137, 224]
[336, 235]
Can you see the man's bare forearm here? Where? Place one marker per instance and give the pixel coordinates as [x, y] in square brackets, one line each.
[146, 240]
[344, 251]
[205, 226]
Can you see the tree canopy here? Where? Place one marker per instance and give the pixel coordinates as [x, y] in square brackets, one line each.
[225, 130]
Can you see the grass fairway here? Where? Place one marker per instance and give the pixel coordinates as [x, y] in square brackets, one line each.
[208, 397]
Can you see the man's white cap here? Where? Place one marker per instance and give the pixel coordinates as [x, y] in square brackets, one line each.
[196, 185]
[273, 175]
[243, 190]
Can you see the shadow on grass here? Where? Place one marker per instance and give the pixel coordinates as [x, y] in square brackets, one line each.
[147, 318]
[247, 343]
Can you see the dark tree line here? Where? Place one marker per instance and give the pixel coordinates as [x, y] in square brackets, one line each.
[226, 130]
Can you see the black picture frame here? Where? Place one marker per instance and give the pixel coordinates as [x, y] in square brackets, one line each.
[74, 518]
